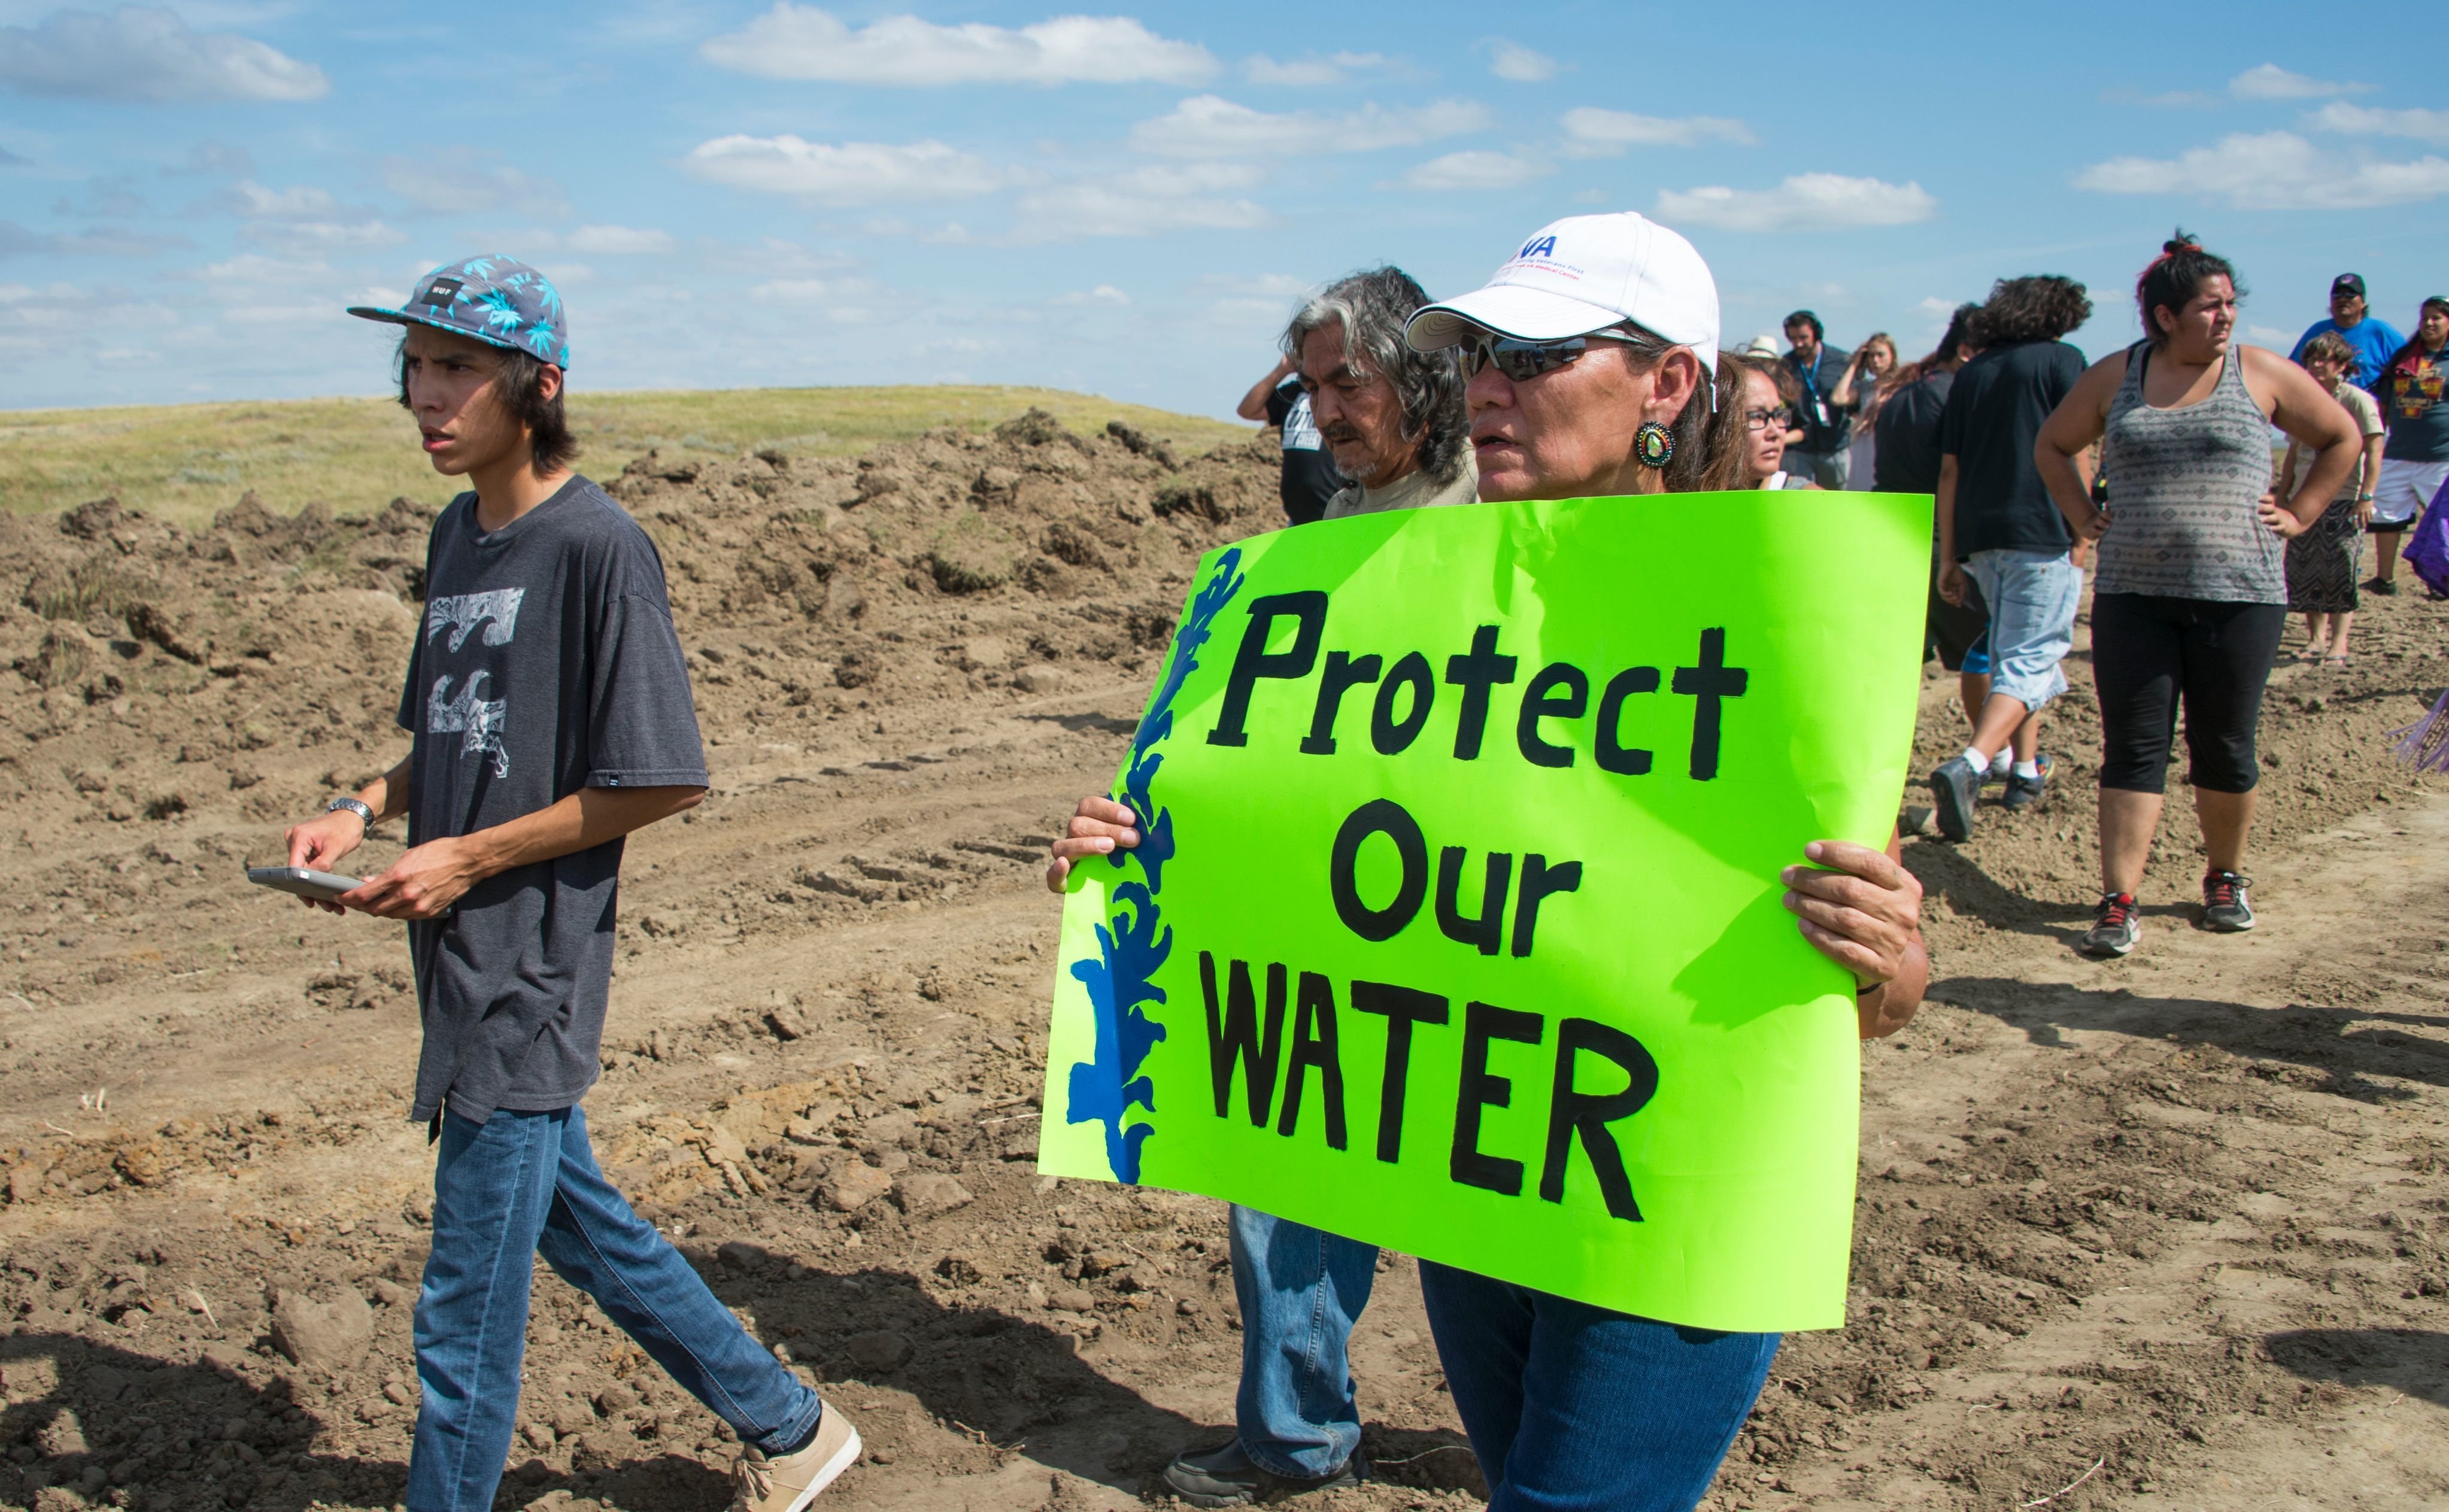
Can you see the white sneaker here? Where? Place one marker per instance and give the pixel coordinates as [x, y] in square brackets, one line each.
[788, 1483]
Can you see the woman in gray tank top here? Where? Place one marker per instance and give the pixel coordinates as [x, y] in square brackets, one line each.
[2191, 595]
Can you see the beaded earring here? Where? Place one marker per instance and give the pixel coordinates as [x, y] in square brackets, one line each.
[1653, 445]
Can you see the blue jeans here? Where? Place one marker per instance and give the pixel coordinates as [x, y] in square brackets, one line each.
[2031, 596]
[521, 1184]
[1574, 1409]
[1300, 1291]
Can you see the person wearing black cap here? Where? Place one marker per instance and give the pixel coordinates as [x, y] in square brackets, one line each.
[549, 711]
[2370, 337]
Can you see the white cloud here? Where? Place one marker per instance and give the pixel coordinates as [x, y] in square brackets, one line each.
[612, 242]
[1190, 196]
[1208, 126]
[214, 158]
[802, 42]
[139, 52]
[310, 238]
[256, 201]
[1511, 60]
[1477, 170]
[2274, 170]
[1310, 69]
[1104, 293]
[2363, 121]
[463, 180]
[108, 242]
[1590, 132]
[1807, 202]
[2270, 82]
[829, 292]
[254, 268]
[853, 173]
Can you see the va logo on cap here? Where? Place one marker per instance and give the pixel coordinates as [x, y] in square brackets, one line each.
[1536, 247]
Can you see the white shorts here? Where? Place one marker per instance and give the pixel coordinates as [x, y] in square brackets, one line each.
[2405, 488]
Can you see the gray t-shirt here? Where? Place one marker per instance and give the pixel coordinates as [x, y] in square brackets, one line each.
[547, 663]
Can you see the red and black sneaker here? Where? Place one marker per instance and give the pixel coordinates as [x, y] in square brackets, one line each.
[2117, 924]
[2225, 910]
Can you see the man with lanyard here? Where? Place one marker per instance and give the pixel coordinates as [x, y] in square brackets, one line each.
[2372, 339]
[1816, 366]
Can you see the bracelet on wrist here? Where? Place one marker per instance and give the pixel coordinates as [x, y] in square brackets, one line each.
[356, 806]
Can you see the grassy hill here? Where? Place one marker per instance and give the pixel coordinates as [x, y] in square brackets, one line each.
[182, 461]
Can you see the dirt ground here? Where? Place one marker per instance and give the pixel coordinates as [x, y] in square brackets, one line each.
[2169, 1232]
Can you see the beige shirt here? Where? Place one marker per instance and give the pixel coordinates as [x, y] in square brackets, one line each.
[1412, 491]
[2366, 411]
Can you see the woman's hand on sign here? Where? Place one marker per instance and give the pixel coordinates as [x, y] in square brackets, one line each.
[1098, 826]
[1858, 907]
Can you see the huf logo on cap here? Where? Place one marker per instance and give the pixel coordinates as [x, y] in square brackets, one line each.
[1536, 247]
[441, 291]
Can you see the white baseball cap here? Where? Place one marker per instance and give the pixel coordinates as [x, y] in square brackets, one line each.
[1584, 274]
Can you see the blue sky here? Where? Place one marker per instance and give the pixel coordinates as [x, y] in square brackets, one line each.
[1128, 202]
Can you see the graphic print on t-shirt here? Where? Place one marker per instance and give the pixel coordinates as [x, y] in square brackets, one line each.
[1301, 428]
[476, 720]
[460, 613]
[2414, 389]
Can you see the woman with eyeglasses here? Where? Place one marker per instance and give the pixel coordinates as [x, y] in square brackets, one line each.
[1594, 363]
[1764, 396]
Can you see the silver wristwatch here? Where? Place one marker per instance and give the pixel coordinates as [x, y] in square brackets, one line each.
[365, 815]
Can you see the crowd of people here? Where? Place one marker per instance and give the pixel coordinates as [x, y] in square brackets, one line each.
[549, 711]
[2017, 440]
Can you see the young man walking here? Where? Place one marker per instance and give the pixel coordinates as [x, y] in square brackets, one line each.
[2001, 531]
[549, 711]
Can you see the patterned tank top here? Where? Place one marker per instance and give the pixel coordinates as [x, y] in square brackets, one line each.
[2182, 489]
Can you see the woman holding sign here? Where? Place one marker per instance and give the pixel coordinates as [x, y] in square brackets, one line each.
[1594, 363]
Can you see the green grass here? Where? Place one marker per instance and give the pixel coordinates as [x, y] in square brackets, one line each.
[183, 461]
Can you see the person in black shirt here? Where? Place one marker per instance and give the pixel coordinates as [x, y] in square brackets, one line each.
[1816, 366]
[1309, 475]
[1998, 527]
[550, 716]
[1906, 459]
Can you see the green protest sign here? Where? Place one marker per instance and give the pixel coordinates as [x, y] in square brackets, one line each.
[1456, 924]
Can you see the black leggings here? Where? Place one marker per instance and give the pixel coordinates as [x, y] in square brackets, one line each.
[2149, 652]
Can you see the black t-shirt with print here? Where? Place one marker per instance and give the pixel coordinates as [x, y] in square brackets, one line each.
[546, 663]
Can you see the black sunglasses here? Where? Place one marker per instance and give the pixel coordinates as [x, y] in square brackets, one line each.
[1520, 359]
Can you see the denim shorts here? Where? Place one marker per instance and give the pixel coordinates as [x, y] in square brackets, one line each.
[2031, 596]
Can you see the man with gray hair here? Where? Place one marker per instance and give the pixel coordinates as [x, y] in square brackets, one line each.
[1393, 417]
[1395, 420]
